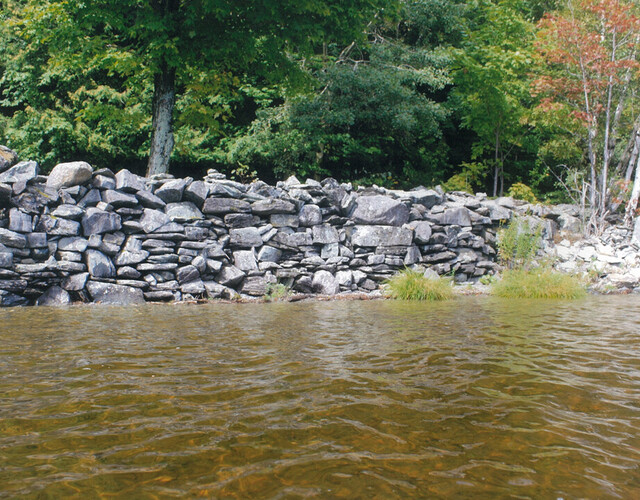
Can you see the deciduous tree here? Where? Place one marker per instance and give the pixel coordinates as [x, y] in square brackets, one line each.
[590, 51]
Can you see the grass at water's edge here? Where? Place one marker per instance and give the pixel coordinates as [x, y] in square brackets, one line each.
[413, 285]
[540, 283]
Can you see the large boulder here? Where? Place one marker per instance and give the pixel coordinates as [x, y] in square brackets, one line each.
[380, 210]
[108, 293]
[69, 174]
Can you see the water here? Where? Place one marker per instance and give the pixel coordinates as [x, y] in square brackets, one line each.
[475, 398]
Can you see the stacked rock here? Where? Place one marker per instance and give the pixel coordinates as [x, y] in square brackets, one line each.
[100, 236]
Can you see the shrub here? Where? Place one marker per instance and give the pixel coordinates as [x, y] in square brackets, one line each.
[410, 284]
[540, 283]
[521, 191]
[518, 243]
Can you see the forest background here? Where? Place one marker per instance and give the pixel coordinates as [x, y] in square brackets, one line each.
[534, 98]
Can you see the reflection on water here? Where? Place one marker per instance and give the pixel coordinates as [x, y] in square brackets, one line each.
[475, 398]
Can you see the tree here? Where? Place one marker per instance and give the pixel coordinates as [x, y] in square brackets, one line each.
[590, 52]
[167, 43]
[491, 82]
[376, 112]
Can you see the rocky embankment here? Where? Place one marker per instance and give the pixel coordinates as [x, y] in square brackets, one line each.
[115, 237]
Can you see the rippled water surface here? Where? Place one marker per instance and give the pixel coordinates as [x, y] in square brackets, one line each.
[475, 398]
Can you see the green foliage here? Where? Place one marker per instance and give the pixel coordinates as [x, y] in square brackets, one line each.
[375, 113]
[521, 191]
[539, 283]
[491, 77]
[469, 179]
[410, 284]
[518, 243]
[276, 292]
[77, 78]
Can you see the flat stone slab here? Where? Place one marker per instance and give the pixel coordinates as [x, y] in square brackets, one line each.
[373, 236]
[109, 293]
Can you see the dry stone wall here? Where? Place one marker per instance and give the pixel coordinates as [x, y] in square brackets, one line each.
[100, 236]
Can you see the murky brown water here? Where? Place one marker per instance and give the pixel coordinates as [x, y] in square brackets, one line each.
[476, 398]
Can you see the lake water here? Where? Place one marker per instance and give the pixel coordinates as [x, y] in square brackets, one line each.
[473, 398]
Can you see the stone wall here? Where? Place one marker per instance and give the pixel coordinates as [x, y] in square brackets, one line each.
[100, 236]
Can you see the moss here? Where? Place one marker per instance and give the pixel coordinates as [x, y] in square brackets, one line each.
[413, 285]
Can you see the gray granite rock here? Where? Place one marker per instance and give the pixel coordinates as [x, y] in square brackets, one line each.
[374, 236]
[22, 172]
[230, 276]
[310, 215]
[99, 265]
[54, 296]
[380, 210]
[37, 240]
[6, 258]
[183, 212]
[269, 254]
[12, 239]
[96, 221]
[223, 206]
[58, 227]
[129, 183]
[325, 234]
[69, 174]
[246, 237]
[255, 286]
[421, 231]
[272, 206]
[150, 200]
[186, 274]
[152, 220]
[118, 199]
[245, 260]
[19, 221]
[325, 283]
[75, 282]
[109, 293]
[196, 192]
[171, 191]
[68, 211]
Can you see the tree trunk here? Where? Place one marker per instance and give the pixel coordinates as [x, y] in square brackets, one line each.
[496, 167]
[164, 100]
[635, 194]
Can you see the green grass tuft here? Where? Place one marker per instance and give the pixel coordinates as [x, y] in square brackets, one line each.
[413, 285]
[276, 292]
[541, 283]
